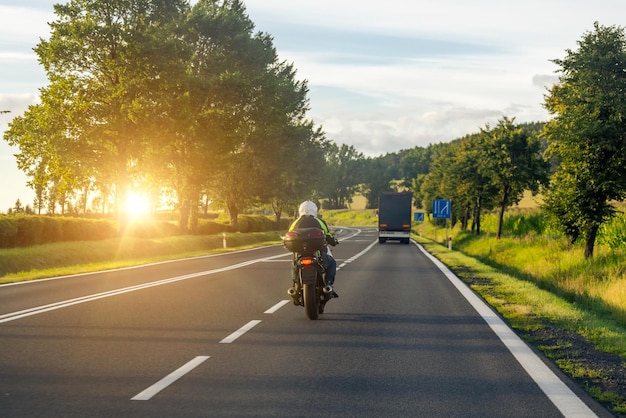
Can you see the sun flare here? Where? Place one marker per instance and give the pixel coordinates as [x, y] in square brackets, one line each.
[137, 204]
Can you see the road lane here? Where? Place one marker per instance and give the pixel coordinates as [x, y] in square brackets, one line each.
[400, 340]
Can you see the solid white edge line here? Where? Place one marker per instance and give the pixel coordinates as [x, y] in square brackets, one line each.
[169, 379]
[559, 394]
[232, 337]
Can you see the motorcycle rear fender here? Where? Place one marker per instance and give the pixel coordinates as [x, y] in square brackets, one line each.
[308, 275]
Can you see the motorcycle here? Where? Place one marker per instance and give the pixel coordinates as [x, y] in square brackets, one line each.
[310, 289]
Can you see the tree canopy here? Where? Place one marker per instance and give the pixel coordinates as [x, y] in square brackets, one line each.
[163, 96]
[588, 134]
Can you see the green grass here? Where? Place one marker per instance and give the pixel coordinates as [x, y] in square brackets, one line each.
[51, 260]
[346, 217]
[526, 304]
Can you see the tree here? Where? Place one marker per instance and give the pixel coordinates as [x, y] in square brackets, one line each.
[342, 175]
[377, 178]
[107, 55]
[296, 170]
[251, 108]
[513, 163]
[455, 176]
[588, 134]
[49, 155]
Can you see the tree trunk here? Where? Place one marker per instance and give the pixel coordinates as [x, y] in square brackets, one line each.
[233, 212]
[466, 215]
[277, 207]
[500, 220]
[591, 240]
[193, 217]
[477, 220]
[183, 214]
[505, 198]
[121, 199]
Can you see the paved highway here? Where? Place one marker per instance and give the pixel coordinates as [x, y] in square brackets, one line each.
[217, 336]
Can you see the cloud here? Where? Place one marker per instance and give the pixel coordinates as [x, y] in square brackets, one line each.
[24, 23]
[545, 80]
[388, 130]
[16, 104]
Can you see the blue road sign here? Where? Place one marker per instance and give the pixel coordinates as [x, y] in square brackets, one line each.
[418, 216]
[442, 209]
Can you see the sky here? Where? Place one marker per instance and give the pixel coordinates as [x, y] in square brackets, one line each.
[382, 76]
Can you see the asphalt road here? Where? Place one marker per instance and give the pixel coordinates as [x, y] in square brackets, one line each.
[217, 336]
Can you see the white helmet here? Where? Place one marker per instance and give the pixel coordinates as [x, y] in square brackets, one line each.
[307, 208]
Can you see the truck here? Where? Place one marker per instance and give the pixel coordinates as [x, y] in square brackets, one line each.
[394, 216]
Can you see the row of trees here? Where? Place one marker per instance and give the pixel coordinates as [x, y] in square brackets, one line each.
[483, 171]
[189, 102]
[164, 97]
[586, 146]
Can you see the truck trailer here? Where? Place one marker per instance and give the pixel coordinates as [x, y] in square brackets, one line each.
[394, 216]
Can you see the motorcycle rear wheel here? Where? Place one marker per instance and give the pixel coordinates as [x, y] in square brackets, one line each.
[311, 301]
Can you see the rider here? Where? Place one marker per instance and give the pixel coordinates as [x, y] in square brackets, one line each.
[309, 219]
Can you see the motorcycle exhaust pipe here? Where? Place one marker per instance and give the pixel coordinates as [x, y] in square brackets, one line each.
[328, 289]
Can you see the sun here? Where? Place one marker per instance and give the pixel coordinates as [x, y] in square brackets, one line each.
[137, 204]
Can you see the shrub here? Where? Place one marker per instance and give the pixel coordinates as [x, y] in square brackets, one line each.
[524, 224]
[29, 230]
[8, 231]
[206, 227]
[613, 232]
[151, 229]
[52, 229]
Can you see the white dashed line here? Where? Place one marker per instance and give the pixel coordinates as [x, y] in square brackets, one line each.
[147, 394]
[276, 307]
[232, 337]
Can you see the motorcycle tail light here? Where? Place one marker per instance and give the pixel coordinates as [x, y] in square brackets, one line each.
[306, 262]
[316, 234]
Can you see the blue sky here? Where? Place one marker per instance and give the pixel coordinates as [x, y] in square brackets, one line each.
[383, 76]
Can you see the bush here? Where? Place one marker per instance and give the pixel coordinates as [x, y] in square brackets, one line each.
[524, 224]
[613, 232]
[29, 230]
[8, 232]
[152, 229]
[206, 227]
[255, 223]
[52, 230]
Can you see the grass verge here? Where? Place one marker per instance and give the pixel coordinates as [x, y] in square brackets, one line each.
[31, 263]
